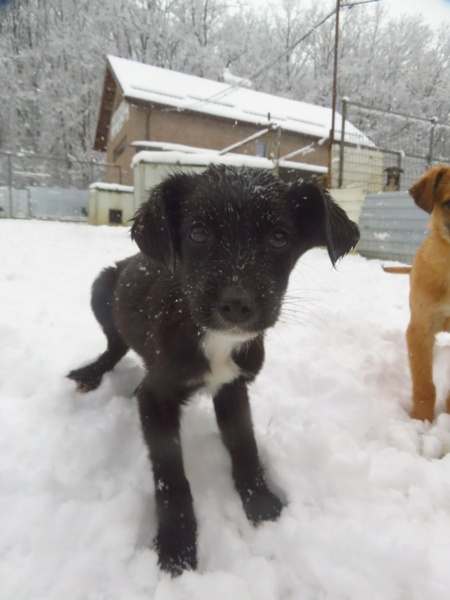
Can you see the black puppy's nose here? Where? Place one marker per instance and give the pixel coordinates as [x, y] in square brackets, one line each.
[235, 305]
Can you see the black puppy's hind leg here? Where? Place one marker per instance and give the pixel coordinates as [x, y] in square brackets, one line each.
[88, 378]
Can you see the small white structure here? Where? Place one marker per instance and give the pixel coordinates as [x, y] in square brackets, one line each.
[151, 167]
[110, 204]
[117, 204]
[228, 77]
[351, 200]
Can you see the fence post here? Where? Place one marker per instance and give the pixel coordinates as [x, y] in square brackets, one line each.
[277, 157]
[342, 146]
[10, 185]
[269, 137]
[434, 121]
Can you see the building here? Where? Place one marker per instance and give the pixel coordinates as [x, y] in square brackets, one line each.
[142, 103]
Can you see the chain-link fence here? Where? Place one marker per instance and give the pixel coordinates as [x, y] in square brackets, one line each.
[21, 174]
[400, 148]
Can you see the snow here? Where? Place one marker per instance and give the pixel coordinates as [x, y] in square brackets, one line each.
[180, 157]
[167, 146]
[111, 187]
[228, 77]
[146, 83]
[176, 157]
[367, 488]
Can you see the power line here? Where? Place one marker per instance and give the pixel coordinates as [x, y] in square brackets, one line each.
[233, 87]
[358, 3]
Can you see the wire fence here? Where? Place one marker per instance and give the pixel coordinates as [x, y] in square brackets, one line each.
[23, 170]
[23, 174]
[401, 147]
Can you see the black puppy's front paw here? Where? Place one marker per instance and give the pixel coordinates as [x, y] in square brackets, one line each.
[261, 504]
[86, 378]
[176, 545]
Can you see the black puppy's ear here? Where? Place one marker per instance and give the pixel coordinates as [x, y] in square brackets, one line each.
[154, 227]
[322, 222]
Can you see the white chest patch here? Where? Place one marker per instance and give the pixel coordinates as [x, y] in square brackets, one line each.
[218, 349]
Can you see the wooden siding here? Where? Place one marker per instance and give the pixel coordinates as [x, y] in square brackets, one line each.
[150, 122]
[106, 110]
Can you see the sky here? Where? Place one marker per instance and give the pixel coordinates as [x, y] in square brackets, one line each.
[433, 11]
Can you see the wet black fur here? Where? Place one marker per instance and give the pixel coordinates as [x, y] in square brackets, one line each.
[161, 302]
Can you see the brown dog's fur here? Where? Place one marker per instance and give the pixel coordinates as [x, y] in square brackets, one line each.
[430, 289]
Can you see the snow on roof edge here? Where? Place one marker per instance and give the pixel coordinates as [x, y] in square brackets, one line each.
[205, 159]
[111, 187]
[239, 104]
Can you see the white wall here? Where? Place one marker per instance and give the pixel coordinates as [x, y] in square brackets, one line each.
[103, 197]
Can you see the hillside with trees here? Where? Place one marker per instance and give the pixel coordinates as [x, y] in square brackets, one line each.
[53, 58]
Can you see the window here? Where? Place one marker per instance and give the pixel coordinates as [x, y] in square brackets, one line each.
[115, 216]
[120, 148]
[260, 149]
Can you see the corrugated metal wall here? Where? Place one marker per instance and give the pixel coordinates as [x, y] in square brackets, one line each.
[58, 203]
[44, 203]
[13, 202]
[392, 227]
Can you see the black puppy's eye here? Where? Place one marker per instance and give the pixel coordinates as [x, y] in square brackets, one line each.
[278, 239]
[446, 204]
[199, 234]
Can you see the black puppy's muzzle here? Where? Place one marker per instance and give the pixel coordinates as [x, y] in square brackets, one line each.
[236, 306]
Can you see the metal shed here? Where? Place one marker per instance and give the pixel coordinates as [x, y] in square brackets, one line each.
[392, 227]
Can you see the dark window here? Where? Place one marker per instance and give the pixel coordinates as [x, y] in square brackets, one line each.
[115, 216]
[260, 149]
[120, 148]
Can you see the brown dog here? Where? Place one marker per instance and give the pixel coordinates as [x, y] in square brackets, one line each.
[393, 179]
[430, 288]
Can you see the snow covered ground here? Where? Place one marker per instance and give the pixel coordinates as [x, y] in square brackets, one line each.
[368, 489]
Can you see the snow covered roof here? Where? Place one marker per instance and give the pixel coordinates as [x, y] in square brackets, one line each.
[173, 156]
[147, 83]
[169, 147]
[111, 187]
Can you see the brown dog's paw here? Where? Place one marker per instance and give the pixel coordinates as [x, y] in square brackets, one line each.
[422, 412]
[447, 404]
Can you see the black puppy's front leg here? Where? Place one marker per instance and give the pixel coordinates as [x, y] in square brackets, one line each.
[176, 541]
[233, 416]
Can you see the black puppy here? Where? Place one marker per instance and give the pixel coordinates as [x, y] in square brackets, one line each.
[217, 249]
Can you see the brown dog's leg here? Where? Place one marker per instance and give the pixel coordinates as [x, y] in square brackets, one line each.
[420, 352]
[447, 404]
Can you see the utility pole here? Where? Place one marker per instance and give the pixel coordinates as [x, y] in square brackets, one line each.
[333, 108]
